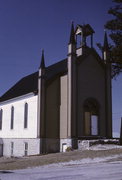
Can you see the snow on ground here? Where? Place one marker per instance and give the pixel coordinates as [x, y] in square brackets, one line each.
[107, 168]
[85, 169]
[88, 161]
[104, 147]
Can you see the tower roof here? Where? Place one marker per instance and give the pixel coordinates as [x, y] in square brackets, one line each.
[105, 45]
[72, 35]
[86, 29]
[42, 65]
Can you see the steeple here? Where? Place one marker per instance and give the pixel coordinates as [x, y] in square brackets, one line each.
[42, 65]
[105, 45]
[105, 48]
[72, 35]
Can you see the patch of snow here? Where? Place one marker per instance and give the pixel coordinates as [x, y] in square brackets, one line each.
[85, 161]
[116, 135]
[104, 147]
[82, 169]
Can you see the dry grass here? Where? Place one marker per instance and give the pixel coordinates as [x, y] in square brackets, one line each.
[32, 161]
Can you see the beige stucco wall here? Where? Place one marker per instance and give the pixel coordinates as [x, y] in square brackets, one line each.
[90, 84]
[63, 107]
[52, 109]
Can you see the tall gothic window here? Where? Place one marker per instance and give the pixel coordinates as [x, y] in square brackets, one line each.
[12, 117]
[1, 116]
[26, 115]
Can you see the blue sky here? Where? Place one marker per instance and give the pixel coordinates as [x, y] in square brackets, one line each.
[27, 26]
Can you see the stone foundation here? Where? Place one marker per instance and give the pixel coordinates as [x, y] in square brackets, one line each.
[85, 144]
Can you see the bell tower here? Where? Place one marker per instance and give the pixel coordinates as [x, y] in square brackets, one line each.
[82, 33]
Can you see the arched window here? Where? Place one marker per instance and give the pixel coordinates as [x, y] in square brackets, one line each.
[26, 115]
[91, 116]
[1, 116]
[12, 117]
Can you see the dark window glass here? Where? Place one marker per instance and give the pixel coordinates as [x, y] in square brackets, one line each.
[26, 148]
[12, 117]
[1, 116]
[12, 148]
[26, 115]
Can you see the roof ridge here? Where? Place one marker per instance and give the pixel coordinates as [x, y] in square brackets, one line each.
[56, 63]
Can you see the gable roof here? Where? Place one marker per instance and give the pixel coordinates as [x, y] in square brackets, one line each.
[56, 69]
[29, 83]
[24, 86]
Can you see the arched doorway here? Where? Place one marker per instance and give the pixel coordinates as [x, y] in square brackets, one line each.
[91, 117]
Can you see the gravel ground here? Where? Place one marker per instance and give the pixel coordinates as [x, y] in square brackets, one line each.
[32, 161]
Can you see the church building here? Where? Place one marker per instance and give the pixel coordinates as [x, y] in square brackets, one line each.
[55, 107]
